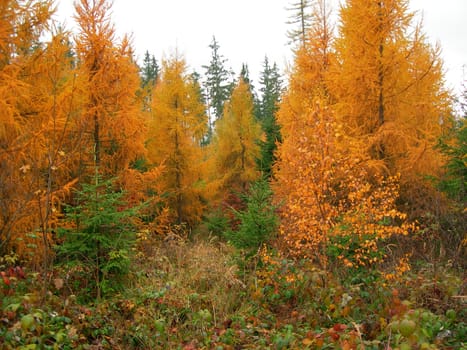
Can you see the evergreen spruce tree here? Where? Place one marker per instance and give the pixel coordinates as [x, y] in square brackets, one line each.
[149, 76]
[258, 221]
[150, 70]
[100, 238]
[271, 88]
[454, 146]
[245, 75]
[219, 82]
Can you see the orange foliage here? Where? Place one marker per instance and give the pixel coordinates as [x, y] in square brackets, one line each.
[177, 126]
[146, 188]
[369, 213]
[399, 271]
[304, 176]
[389, 93]
[307, 158]
[234, 149]
[325, 193]
[360, 110]
[111, 122]
[32, 184]
[308, 79]
[46, 102]
[351, 123]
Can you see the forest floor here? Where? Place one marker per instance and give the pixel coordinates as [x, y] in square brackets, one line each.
[201, 294]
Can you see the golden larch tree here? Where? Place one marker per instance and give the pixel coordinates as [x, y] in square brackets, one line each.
[320, 178]
[234, 150]
[177, 127]
[389, 90]
[53, 100]
[308, 78]
[21, 127]
[111, 122]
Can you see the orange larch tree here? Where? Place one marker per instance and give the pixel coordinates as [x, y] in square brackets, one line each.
[111, 121]
[54, 99]
[320, 177]
[389, 91]
[308, 78]
[21, 127]
[235, 149]
[177, 127]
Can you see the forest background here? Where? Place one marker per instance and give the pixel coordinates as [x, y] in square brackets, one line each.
[252, 205]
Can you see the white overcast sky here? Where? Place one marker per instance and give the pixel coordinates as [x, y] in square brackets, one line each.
[247, 30]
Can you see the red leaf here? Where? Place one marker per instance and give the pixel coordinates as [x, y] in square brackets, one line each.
[20, 272]
[6, 280]
[339, 327]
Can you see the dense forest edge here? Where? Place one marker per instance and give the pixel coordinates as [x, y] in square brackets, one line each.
[145, 205]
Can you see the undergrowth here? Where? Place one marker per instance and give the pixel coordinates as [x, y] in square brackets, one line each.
[183, 294]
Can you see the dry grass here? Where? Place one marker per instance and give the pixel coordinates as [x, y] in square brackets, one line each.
[196, 275]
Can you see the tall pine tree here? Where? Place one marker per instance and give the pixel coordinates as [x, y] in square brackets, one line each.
[149, 73]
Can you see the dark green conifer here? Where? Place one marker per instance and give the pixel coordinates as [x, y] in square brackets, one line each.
[271, 88]
[219, 82]
[99, 238]
[150, 70]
